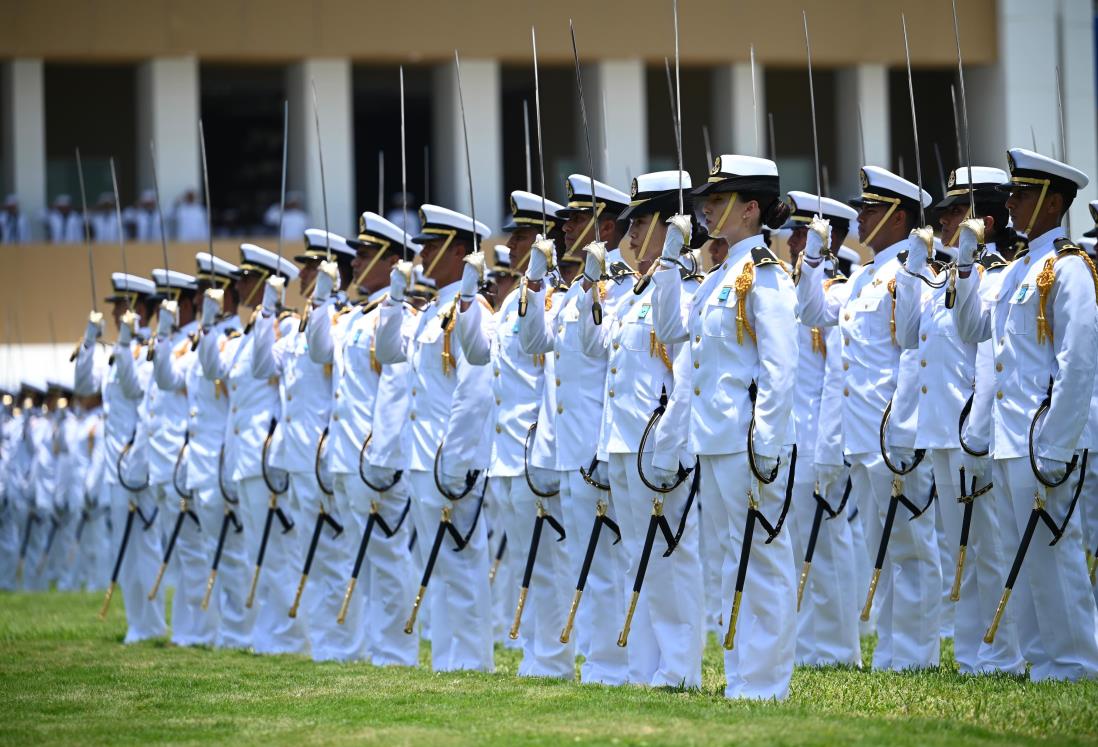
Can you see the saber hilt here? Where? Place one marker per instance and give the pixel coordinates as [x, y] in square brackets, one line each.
[183, 511]
[654, 522]
[444, 522]
[592, 543]
[498, 558]
[1016, 566]
[374, 519]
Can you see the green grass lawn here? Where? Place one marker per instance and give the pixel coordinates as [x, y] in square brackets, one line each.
[66, 678]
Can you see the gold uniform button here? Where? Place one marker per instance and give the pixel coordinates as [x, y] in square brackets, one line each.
[998, 366]
[499, 401]
[697, 338]
[1025, 261]
[560, 408]
[697, 391]
[846, 316]
[846, 392]
[613, 370]
[234, 408]
[846, 366]
[846, 341]
[289, 397]
[1000, 341]
[496, 373]
[412, 416]
[697, 364]
[924, 388]
[999, 394]
[337, 395]
[558, 381]
[924, 337]
[923, 363]
[499, 429]
[236, 431]
[611, 392]
[616, 346]
[560, 330]
[335, 417]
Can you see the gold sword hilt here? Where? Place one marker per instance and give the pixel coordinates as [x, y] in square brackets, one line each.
[209, 589]
[107, 601]
[803, 582]
[955, 592]
[346, 600]
[1093, 569]
[513, 635]
[297, 596]
[989, 636]
[868, 608]
[566, 634]
[730, 636]
[251, 591]
[623, 636]
[410, 625]
[156, 584]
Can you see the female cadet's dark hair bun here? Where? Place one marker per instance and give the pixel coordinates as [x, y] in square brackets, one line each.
[776, 214]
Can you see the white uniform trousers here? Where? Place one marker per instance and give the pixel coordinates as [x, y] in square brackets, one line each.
[668, 631]
[92, 557]
[190, 625]
[827, 623]
[760, 665]
[274, 632]
[323, 595]
[551, 581]
[34, 570]
[1088, 506]
[458, 596]
[497, 511]
[712, 560]
[1052, 602]
[387, 580]
[603, 604]
[10, 537]
[909, 591]
[144, 618]
[226, 607]
[863, 563]
[61, 568]
[987, 561]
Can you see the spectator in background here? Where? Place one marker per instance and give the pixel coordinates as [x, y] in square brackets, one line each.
[190, 218]
[63, 225]
[294, 222]
[104, 220]
[143, 219]
[402, 206]
[13, 224]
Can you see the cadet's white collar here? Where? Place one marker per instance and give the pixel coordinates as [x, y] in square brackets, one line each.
[378, 294]
[613, 255]
[1044, 242]
[737, 250]
[889, 253]
[447, 293]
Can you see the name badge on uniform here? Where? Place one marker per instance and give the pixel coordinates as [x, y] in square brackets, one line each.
[1022, 294]
[358, 334]
[514, 328]
[726, 291]
[644, 311]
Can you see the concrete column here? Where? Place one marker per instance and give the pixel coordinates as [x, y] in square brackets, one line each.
[167, 115]
[1013, 103]
[333, 94]
[615, 94]
[480, 87]
[736, 114]
[862, 93]
[23, 108]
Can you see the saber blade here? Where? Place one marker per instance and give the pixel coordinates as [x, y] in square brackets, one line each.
[404, 171]
[812, 100]
[87, 228]
[468, 159]
[914, 123]
[320, 159]
[206, 187]
[159, 209]
[964, 111]
[121, 235]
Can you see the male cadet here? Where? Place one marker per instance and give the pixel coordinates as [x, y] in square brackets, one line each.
[948, 366]
[827, 623]
[54, 565]
[741, 329]
[306, 388]
[9, 522]
[1043, 324]
[254, 409]
[667, 627]
[1089, 499]
[343, 340]
[27, 422]
[909, 592]
[177, 369]
[92, 557]
[567, 436]
[450, 401]
[45, 443]
[123, 380]
[517, 383]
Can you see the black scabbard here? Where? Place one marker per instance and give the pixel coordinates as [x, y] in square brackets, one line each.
[125, 541]
[221, 540]
[363, 544]
[271, 510]
[817, 520]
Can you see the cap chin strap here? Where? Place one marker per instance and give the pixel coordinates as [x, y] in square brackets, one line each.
[583, 234]
[893, 203]
[1044, 183]
[647, 236]
[724, 217]
[259, 284]
[957, 231]
[450, 235]
[369, 266]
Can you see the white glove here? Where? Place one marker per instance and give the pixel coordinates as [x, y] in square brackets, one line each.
[920, 245]
[94, 328]
[542, 256]
[665, 478]
[128, 328]
[902, 456]
[211, 306]
[472, 274]
[399, 280]
[971, 235]
[765, 464]
[594, 265]
[327, 279]
[975, 470]
[1053, 469]
[166, 319]
[818, 239]
[272, 293]
[678, 234]
[827, 475]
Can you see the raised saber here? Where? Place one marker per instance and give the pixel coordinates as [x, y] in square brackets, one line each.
[964, 112]
[206, 188]
[526, 140]
[1063, 130]
[815, 136]
[914, 123]
[755, 102]
[282, 191]
[523, 290]
[87, 229]
[381, 182]
[468, 159]
[404, 170]
[121, 235]
[708, 146]
[596, 306]
[678, 101]
[163, 239]
[320, 160]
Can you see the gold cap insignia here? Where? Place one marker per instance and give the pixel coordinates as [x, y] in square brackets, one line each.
[514, 206]
[633, 189]
[1093, 213]
[569, 189]
[864, 179]
[716, 167]
[952, 179]
[1010, 162]
[362, 223]
[422, 217]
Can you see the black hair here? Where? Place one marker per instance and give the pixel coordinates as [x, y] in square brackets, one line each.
[773, 210]
[1003, 234]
